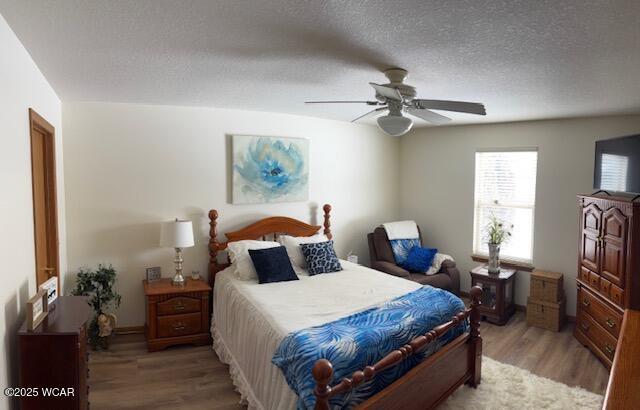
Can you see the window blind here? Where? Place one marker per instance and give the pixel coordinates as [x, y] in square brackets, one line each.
[614, 173]
[505, 186]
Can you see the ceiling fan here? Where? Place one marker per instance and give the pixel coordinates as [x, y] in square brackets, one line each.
[398, 97]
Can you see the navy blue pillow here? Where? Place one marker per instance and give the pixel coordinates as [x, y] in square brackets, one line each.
[320, 257]
[272, 265]
[419, 259]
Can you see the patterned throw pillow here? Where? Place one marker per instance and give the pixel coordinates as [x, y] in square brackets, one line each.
[321, 257]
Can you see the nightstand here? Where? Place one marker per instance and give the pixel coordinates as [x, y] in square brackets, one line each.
[498, 293]
[176, 314]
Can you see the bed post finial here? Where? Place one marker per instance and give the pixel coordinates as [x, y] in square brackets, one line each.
[322, 372]
[475, 341]
[327, 220]
[213, 245]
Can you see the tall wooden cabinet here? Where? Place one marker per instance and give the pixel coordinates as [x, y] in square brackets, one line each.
[608, 277]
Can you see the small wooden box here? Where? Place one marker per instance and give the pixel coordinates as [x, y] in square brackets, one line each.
[546, 286]
[547, 315]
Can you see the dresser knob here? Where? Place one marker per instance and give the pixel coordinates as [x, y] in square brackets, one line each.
[585, 303]
[608, 348]
[610, 323]
[584, 326]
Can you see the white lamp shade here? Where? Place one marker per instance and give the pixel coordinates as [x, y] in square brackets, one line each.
[176, 234]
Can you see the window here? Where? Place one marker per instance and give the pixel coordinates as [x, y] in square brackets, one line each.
[505, 186]
[614, 173]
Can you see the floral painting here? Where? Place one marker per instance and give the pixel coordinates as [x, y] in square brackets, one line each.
[270, 169]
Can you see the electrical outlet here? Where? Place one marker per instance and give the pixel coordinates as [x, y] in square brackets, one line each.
[154, 273]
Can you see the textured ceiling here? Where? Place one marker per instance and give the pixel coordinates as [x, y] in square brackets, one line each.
[524, 59]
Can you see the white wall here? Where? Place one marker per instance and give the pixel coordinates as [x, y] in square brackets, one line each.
[129, 167]
[22, 86]
[437, 174]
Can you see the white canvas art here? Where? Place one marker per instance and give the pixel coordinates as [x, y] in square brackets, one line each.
[269, 169]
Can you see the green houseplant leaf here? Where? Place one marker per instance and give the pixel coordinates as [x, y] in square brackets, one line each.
[97, 285]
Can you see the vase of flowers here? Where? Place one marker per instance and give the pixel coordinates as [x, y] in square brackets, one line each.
[497, 233]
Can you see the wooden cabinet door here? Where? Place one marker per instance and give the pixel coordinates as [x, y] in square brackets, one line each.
[591, 222]
[613, 246]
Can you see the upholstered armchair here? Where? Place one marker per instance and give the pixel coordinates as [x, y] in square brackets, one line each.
[381, 254]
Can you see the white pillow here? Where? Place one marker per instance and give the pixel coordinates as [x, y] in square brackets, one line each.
[241, 260]
[292, 243]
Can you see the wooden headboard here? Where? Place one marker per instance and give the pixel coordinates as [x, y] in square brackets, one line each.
[267, 228]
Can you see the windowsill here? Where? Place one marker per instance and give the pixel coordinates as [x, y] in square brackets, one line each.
[523, 266]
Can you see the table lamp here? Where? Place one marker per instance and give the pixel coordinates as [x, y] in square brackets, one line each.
[178, 235]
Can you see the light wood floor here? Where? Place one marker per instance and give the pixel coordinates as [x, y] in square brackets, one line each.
[128, 377]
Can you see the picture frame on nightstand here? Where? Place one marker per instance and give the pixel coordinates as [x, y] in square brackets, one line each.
[154, 274]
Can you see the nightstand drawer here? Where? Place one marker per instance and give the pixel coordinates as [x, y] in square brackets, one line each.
[179, 325]
[177, 314]
[178, 305]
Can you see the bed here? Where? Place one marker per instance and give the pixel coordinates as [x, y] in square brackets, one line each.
[263, 314]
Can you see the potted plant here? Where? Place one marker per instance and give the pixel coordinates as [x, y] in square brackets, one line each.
[98, 286]
[496, 234]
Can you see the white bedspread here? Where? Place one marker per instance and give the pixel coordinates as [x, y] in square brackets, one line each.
[250, 320]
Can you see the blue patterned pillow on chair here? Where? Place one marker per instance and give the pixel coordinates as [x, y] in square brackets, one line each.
[321, 257]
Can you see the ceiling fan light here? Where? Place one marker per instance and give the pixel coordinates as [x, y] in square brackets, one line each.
[395, 125]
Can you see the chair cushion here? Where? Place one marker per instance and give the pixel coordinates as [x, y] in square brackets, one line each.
[383, 246]
[320, 257]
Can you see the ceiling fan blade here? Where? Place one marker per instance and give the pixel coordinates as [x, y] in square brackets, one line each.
[387, 92]
[369, 113]
[458, 106]
[429, 116]
[344, 102]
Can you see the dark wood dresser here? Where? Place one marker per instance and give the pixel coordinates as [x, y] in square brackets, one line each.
[55, 355]
[177, 314]
[608, 277]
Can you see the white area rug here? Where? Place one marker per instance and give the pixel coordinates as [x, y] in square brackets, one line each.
[508, 387]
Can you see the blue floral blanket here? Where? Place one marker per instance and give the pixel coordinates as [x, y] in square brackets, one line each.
[355, 341]
[401, 248]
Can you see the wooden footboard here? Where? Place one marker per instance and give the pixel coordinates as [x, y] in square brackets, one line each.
[426, 385]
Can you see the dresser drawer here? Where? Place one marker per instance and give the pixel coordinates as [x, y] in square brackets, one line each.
[584, 274]
[605, 288]
[605, 316]
[598, 336]
[594, 280]
[616, 295]
[178, 305]
[179, 325]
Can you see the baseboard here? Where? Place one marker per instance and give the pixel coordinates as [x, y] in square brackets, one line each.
[129, 330]
[521, 308]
